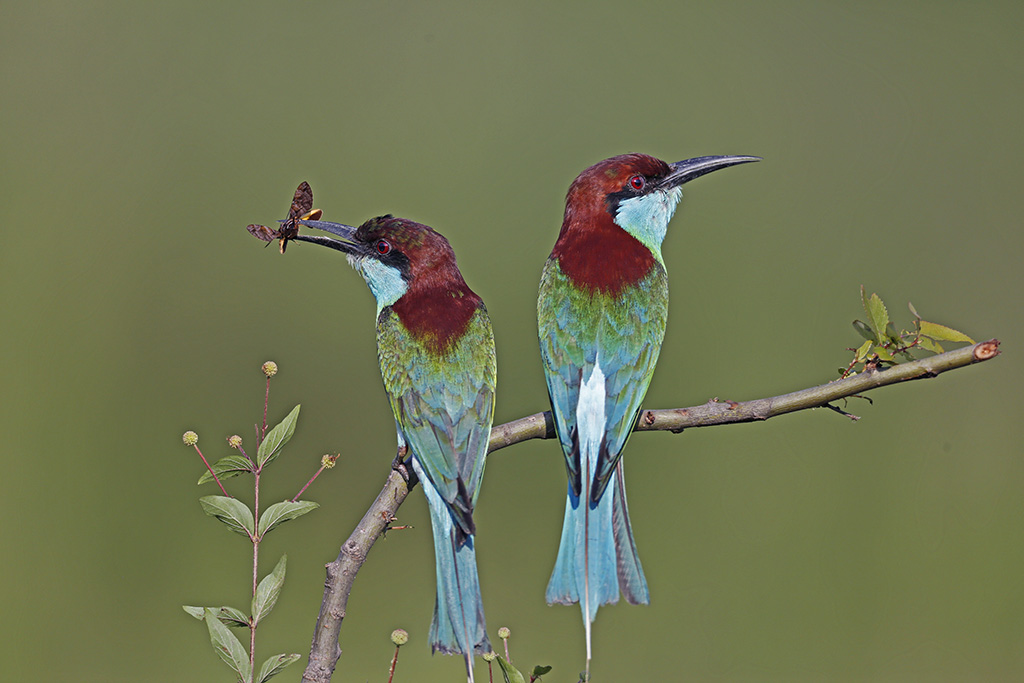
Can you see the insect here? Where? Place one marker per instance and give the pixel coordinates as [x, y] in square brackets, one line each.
[301, 209]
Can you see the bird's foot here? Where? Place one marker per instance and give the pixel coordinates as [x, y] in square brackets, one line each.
[401, 465]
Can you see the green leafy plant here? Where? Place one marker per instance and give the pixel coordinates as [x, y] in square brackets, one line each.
[883, 345]
[251, 523]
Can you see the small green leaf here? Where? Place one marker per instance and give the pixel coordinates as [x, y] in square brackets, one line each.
[540, 670]
[943, 333]
[913, 311]
[883, 354]
[227, 467]
[864, 330]
[878, 316]
[227, 645]
[268, 590]
[929, 344]
[197, 612]
[233, 512]
[277, 438]
[892, 334]
[509, 672]
[229, 616]
[864, 350]
[287, 510]
[234, 618]
[274, 665]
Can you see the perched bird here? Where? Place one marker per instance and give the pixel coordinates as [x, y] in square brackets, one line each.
[601, 313]
[436, 352]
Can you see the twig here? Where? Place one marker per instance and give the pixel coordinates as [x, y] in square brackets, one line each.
[325, 651]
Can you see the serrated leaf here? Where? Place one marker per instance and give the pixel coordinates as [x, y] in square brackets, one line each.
[509, 672]
[287, 510]
[930, 345]
[864, 350]
[227, 646]
[274, 665]
[864, 330]
[878, 316]
[277, 438]
[227, 467]
[233, 512]
[268, 591]
[540, 670]
[943, 333]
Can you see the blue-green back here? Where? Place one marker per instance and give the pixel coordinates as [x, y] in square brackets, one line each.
[578, 328]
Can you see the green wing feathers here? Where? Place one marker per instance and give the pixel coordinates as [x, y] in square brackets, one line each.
[575, 325]
[443, 403]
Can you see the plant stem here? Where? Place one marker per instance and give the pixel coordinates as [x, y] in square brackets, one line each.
[394, 661]
[311, 479]
[266, 403]
[255, 567]
[211, 471]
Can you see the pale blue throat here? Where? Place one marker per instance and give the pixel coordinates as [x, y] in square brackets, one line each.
[646, 217]
[386, 283]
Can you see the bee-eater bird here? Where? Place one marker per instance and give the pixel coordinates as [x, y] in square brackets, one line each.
[601, 314]
[436, 353]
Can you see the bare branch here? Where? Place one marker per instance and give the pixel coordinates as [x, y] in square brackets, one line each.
[715, 412]
[325, 651]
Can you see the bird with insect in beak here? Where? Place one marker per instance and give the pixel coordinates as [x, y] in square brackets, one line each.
[436, 353]
[601, 313]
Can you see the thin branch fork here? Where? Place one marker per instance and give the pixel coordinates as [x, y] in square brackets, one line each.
[341, 573]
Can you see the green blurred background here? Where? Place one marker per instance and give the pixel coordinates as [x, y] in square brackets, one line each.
[139, 139]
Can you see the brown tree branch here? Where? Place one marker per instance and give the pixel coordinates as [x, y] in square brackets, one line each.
[715, 412]
[325, 651]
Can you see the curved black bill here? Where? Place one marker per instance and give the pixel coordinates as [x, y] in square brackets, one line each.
[689, 169]
[345, 233]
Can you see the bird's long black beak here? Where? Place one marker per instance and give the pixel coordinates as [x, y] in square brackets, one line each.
[346, 236]
[687, 170]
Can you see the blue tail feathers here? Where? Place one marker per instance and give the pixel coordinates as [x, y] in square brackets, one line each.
[592, 569]
[458, 626]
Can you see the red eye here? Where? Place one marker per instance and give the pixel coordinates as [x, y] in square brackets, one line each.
[383, 247]
[637, 182]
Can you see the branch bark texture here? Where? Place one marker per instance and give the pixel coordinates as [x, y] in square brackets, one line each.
[341, 573]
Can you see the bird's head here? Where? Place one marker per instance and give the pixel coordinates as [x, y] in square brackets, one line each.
[637, 192]
[393, 255]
